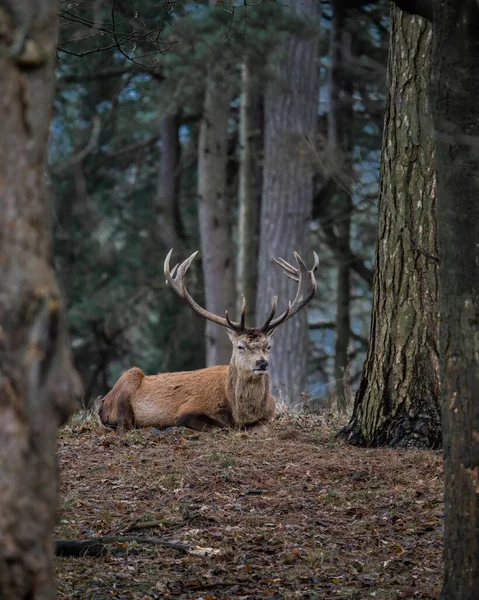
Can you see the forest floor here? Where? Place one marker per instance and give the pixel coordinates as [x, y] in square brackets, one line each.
[295, 514]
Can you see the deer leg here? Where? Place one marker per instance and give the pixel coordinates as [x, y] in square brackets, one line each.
[198, 422]
[115, 410]
[126, 419]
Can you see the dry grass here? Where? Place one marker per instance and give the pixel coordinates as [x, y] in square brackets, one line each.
[293, 515]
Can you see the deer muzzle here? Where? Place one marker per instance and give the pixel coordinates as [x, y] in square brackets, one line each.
[261, 367]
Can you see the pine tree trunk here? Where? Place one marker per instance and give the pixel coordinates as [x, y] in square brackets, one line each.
[340, 138]
[248, 223]
[215, 216]
[454, 96]
[397, 403]
[37, 382]
[290, 121]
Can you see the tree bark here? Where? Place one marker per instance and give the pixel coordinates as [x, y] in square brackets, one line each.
[454, 94]
[340, 138]
[290, 121]
[37, 381]
[248, 222]
[397, 403]
[214, 215]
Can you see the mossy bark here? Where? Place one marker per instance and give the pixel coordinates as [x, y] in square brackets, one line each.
[397, 403]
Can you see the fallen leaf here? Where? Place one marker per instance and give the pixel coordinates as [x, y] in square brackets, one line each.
[199, 551]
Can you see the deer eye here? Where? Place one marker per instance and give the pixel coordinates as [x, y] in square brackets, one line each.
[268, 348]
[240, 347]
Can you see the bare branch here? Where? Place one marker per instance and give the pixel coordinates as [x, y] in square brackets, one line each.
[332, 325]
[137, 34]
[322, 202]
[87, 52]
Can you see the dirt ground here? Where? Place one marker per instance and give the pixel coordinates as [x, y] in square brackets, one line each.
[295, 514]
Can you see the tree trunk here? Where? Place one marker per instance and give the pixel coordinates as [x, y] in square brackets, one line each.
[37, 381]
[248, 225]
[397, 403]
[169, 227]
[169, 232]
[454, 95]
[340, 138]
[215, 216]
[291, 105]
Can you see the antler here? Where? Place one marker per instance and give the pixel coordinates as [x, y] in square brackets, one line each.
[306, 290]
[176, 279]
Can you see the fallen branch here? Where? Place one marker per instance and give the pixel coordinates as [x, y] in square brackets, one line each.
[100, 546]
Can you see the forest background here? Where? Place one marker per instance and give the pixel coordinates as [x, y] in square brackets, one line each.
[131, 179]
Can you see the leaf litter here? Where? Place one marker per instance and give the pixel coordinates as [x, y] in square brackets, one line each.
[292, 514]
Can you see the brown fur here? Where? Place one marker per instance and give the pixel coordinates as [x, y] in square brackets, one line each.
[225, 396]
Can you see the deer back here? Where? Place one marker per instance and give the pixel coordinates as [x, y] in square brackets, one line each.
[162, 400]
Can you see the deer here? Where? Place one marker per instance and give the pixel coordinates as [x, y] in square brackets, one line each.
[235, 396]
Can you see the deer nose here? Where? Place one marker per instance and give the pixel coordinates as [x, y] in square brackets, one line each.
[262, 364]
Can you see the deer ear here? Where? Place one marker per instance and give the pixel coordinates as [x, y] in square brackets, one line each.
[230, 333]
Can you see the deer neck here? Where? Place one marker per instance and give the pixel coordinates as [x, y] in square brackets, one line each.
[248, 395]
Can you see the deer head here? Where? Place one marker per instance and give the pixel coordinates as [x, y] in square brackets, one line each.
[251, 346]
[250, 351]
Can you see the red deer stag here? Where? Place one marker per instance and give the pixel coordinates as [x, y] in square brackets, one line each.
[237, 395]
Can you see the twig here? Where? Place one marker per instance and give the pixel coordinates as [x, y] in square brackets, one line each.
[87, 52]
[146, 525]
